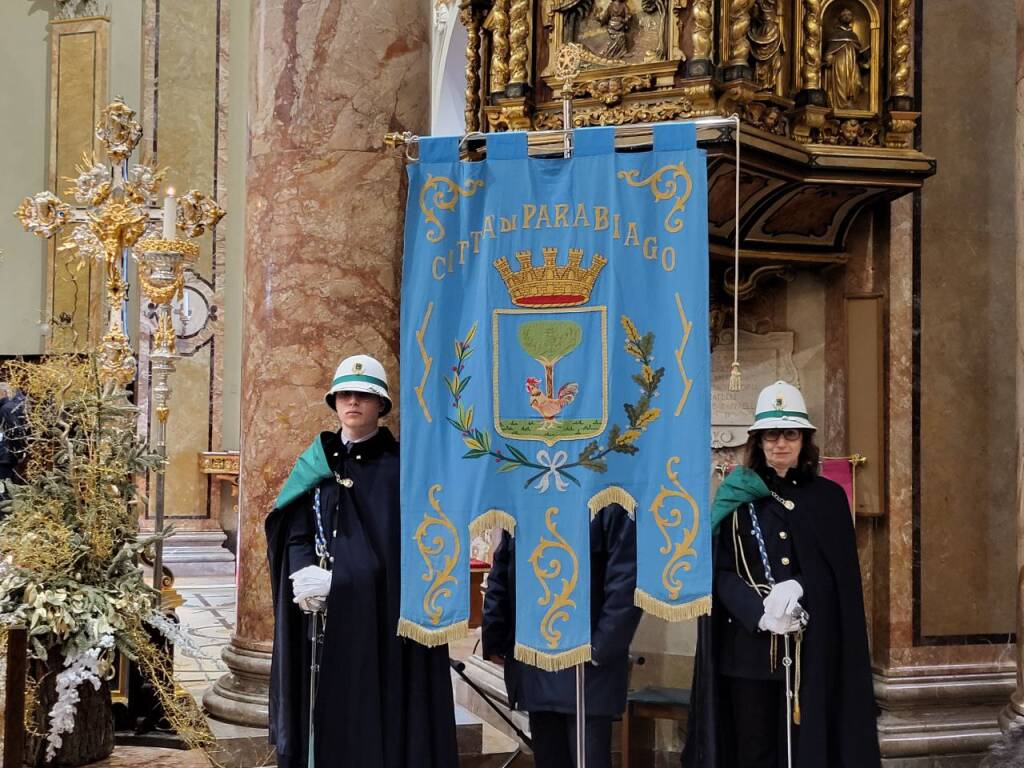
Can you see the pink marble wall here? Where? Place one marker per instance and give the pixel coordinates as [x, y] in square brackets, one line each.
[324, 227]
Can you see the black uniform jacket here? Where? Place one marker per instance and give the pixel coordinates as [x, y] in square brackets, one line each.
[838, 710]
[744, 651]
[382, 701]
[613, 620]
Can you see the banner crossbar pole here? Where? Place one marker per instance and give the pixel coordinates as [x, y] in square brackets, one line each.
[407, 139]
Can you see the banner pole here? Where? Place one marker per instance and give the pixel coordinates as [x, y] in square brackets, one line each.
[581, 717]
[407, 138]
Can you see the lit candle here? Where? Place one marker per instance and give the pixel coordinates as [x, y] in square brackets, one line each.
[170, 215]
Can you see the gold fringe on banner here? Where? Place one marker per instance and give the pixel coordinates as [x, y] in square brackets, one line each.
[612, 495]
[552, 662]
[492, 518]
[670, 612]
[432, 637]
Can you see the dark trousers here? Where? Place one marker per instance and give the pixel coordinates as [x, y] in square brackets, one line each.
[554, 740]
[759, 717]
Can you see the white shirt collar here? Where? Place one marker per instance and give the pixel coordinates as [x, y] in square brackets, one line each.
[347, 440]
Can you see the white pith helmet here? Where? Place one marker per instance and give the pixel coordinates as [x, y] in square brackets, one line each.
[780, 406]
[360, 373]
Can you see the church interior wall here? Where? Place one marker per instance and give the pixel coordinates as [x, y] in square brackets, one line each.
[967, 331]
[238, 99]
[25, 58]
[203, 144]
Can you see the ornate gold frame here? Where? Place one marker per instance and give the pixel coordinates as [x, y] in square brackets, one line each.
[874, 81]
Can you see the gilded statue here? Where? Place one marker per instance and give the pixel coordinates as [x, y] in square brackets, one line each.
[846, 57]
[766, 43]
[616, 17]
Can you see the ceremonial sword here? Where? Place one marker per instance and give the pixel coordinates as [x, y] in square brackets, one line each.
[319, 615]
[800, 614]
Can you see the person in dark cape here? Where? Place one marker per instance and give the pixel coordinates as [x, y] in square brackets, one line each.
[550, 697]
[13, 439]
[777, 508]
[333, 540]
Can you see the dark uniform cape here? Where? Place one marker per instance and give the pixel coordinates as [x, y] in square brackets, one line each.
[838, 710]
[13, 434]
[382, 701]
[613, 620]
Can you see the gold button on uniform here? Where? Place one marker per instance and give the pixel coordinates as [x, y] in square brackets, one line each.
[785, 561]
[783, 535]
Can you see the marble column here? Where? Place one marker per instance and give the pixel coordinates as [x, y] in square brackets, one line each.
[324, 214]
[1014, 712]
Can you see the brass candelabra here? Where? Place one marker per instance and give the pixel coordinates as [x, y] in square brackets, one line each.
[116, 218]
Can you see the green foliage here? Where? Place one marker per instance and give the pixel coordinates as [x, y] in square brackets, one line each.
[548, 341]
[70, 535]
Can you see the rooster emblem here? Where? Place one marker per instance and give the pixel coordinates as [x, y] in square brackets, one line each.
[550, 405]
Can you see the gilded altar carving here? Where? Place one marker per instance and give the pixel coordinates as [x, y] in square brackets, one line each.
[702, 17]
[614, 32]
[784, 67]
[655, 14]
[765, 117]
[509, 117]
[849, 58]
[571, 13]
[804, 77]
[900, 129]
[739, 24]
[850, 133]
[518, 40]
[622, 115]
[846, 61]
[471, 22]
[899, 69]
[616, 19]
[498, 25]
[767, 44]
[610, 90]
[810, 53]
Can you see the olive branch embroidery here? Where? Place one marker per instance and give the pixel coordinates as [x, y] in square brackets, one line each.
[640, 415]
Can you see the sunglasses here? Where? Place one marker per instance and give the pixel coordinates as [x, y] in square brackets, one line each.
[773, 435]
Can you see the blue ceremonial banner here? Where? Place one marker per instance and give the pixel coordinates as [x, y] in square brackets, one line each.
[555, 359]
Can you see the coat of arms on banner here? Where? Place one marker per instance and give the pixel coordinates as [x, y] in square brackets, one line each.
[542, 391]
[554, 324]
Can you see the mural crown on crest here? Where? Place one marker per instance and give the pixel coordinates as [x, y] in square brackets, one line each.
[550, 285]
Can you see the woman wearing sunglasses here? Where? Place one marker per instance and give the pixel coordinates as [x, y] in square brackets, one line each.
[782, 674]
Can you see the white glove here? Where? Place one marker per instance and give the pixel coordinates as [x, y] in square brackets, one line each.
[311, 582]
[783, 599]
[784, 625]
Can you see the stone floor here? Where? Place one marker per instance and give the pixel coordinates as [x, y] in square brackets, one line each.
[208, 617]
[152, 757]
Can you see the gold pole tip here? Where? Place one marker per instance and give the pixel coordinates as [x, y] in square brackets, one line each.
[397, 139]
